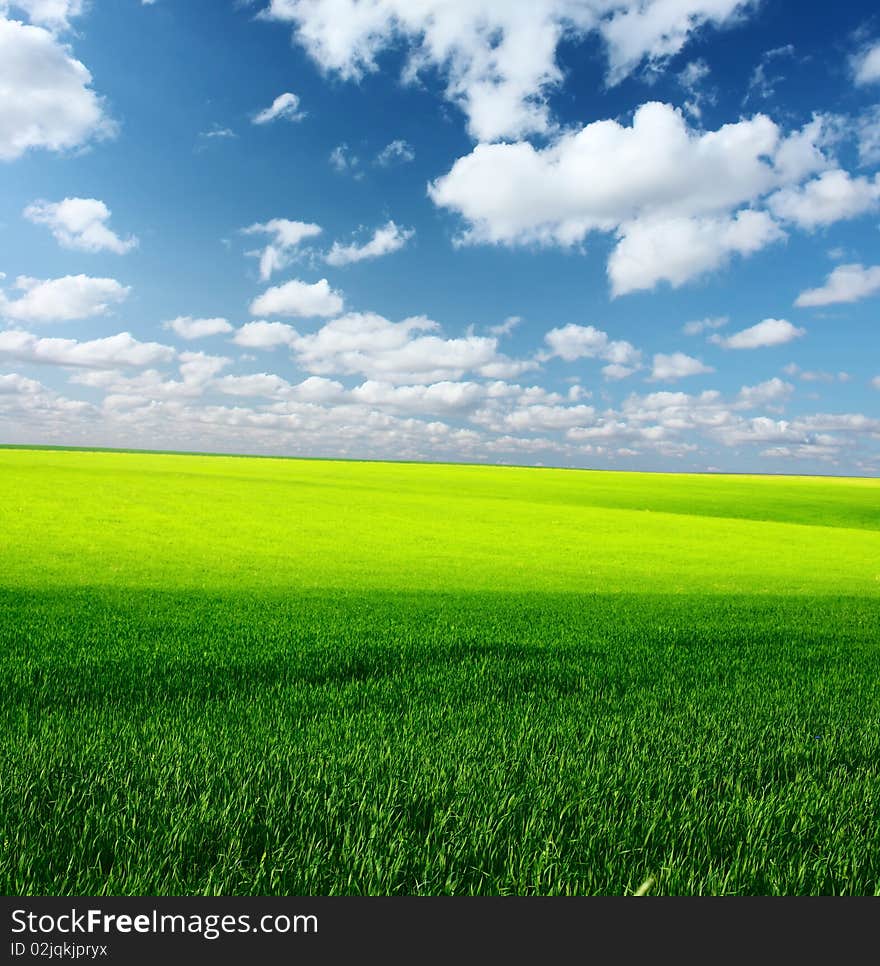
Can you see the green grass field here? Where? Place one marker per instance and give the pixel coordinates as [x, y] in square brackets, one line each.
[223, 675]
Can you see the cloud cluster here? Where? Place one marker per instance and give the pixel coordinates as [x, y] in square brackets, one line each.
[680, 201]
[571, 342]
[364, 343]
[499, 59]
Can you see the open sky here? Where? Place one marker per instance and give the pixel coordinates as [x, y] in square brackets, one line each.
[639, 234]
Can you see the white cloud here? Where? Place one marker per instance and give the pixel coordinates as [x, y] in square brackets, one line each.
[815, 375]
[868, 128]
[770, 332]
[875, 382]
[571, 342]
[677, 250]
[674, 195]
[265, 335]
[254, 384]
[286, 236]
[507, 326]
[499, 58]
[762, 84]
[438, 397]
[296, 298]
[658, 30]
[198, 373]
[847, 283]
[199, 367]
[80, 224]
[55, 14]
[14, 383]
[344, 161]
[772, 392]
[284, 107]
[386, 240]
[866, 65]
[363, 343]
[676, 365]
[691, 78]
[189, 328]
[218, 132]
[115, 350]
[833, 196]
[698, 326]
[48, 101]
[395, 152]
[62, 299]
[615, 371]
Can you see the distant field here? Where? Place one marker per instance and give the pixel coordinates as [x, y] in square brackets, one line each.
[225, 675]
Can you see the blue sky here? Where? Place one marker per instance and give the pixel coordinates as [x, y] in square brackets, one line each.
[603, 233]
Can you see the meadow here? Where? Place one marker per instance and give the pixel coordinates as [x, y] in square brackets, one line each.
[223, 675]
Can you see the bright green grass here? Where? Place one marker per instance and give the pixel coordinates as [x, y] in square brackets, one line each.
[227, 675]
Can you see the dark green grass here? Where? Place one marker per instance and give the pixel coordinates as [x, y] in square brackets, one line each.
[326, 743]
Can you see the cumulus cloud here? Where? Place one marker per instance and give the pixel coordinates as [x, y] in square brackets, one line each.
[286, 236]
[676, 250]
[677, 198]
[833, 196]
[773, 392]
[676, 365]
[115, 350]
[571, 342]
[189, 328]
[847, 283]
[300, 299]
[386, 240]
[48, 101]
[265, 335]
[62, 299]
[80, 224]
[866, 65]
[284, 107]
[770, 332]
[499, 59]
